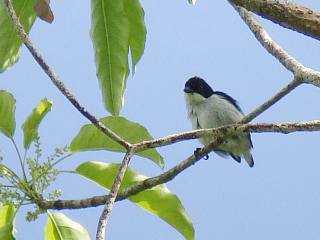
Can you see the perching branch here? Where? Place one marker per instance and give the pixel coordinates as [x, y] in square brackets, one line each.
[219, 134]
[56, 81]
[134, 189]
[301, 75]
[285, 13]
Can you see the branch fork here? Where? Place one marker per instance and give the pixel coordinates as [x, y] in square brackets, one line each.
[301, 74]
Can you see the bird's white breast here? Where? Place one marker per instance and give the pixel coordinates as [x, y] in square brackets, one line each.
[211, 112]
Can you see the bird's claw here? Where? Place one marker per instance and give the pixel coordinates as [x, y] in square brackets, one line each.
[196, 153]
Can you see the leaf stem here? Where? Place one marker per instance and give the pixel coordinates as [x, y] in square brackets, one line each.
[8, 186]
[61, 159]
[14, 177]
[24, 157]
[20, 159]
[68, 171]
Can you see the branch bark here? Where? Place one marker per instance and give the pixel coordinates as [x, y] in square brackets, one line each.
[284, 13]
[287, 14]
[108, 132]
[56, 81]
[306, 75]
[100, 235]
[219, 135]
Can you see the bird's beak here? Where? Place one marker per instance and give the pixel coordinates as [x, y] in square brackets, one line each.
[187, 90]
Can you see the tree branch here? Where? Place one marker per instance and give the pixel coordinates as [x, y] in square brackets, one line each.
[301, 73]
[55, 80]
[285, 13]
[219, 134]
[100, 235]
[307, 75]
[263, 107]
[108, 132]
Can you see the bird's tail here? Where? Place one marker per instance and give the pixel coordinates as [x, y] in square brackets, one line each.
[249, 159]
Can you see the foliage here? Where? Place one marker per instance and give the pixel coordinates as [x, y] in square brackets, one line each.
[9, 41]
[90, 138]
[37, 174]
[30, 126]
[60, 227]
[116, 26]
[7, 111]
[7, 215]
[118, 32]
[158, 200]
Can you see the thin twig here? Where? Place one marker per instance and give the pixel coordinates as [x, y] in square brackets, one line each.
[306, 74]
[224, 131]
[263, 107]
[265, 40]
[100, 235]
[7, 186]
[61, 159]
[52, 165]
[55, 80]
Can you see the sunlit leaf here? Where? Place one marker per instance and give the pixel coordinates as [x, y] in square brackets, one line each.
[90, 138]
[60, 227]
[10, 42]
[158, 200]
[110, 35]
[138, 31]
[30, 126]
[116, 26]
[7, 214]
[7, 113]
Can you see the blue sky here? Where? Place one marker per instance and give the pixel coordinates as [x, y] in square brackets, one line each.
[278, 198]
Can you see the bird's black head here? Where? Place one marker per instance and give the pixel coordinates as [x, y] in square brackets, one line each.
[198, 85]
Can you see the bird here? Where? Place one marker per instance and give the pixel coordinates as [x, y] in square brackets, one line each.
[207, 108]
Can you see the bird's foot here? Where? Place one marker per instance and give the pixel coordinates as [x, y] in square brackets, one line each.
[196, 153]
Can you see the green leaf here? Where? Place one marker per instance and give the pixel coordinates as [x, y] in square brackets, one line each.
[7, 214]
[158, 200]
[7, 113]
[138, 31]
[10, 43]
[116, 26]
[60, 227]
[30, 126]
[90, 138]
[110, 35]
